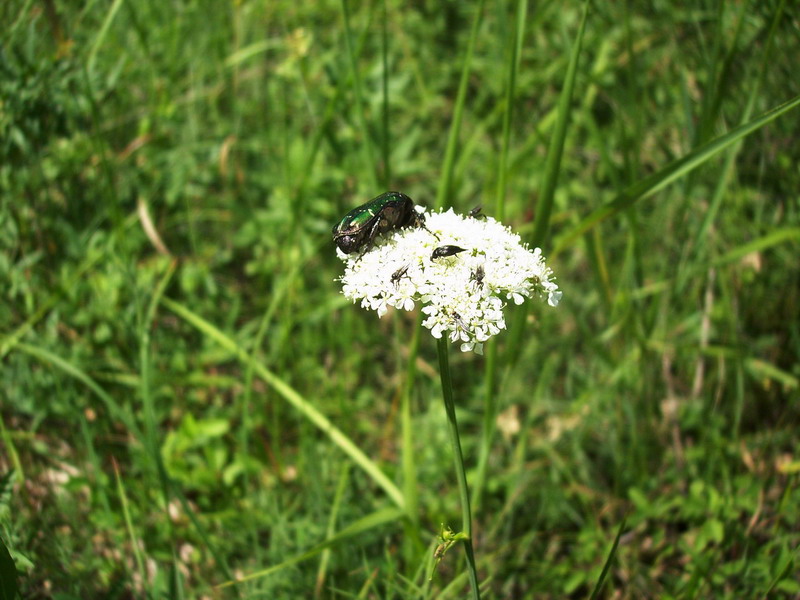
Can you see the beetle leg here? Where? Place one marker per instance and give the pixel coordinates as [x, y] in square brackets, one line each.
[422, 224]
[370, 237]
[419, 221]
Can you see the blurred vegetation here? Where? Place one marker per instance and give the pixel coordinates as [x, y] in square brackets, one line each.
[169, 174]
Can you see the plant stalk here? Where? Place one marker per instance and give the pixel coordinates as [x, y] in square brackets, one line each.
[455, 442]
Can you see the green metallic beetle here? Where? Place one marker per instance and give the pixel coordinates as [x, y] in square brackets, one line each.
[358, 229]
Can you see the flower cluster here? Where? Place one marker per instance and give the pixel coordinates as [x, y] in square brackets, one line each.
[462, 292]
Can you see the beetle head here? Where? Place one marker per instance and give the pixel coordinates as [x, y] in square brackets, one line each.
[348, 243]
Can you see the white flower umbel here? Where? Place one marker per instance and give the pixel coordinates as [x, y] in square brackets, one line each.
[463, 294]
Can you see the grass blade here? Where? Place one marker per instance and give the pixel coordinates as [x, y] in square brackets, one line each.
[114, 409]
[782, 572]
[369, 160]
[676, 169]
[344, 480]
[516, 50]
[721, 187]
[446, 178]
[296, 400]
[151, 426]
[599, 585]
[13, 456]
[386, 137]
[126, 515]
[773, 238]
[376, 519]
[101, 35]
[555, 150]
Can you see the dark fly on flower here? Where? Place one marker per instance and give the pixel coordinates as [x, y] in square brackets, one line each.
[459, 321]
[477, 276]
[399, 274]
[443, 251]
[475, 213]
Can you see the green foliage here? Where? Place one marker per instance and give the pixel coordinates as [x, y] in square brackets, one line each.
[8, 570]
[8, 574]
[185, 391]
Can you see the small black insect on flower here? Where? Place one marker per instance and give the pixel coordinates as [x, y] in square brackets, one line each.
[475, 213]
[459, 321]
[443, 251]
[477, 276]
[399, 274]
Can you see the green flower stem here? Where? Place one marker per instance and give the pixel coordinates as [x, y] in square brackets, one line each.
[489, 423]
[455, 442]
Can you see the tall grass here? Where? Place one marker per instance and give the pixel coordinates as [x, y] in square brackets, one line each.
[220, 422]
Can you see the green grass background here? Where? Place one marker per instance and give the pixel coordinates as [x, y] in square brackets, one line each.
[175, 349]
